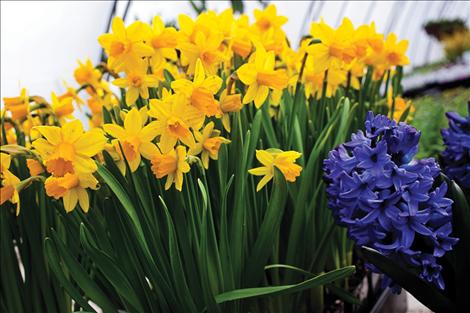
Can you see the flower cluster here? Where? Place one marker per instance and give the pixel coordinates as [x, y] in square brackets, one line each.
[389, 201]
[456, 156]
[344, 53]
[67, 155]
[179, 89]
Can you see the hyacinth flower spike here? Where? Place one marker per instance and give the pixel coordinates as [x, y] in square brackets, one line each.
[456, 156]
[390, 202]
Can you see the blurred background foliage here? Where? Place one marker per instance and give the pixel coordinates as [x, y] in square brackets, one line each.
[430, 118]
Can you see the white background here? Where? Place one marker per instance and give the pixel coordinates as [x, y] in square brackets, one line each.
[42, 40]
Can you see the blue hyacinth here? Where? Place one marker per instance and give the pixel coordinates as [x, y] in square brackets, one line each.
[456, 156]
[387, 200]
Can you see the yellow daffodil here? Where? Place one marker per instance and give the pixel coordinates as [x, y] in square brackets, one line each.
[134, 138]
[364, 39]
[137, 82]
[62, 108]
[72, 189]
[69, 149]
[71, 93]
[18, 106]
[9, 182]
[335, 47]
[395, 52]
[267, 29]
[314, 80]
[173, 165]
[260, 76]
[175, 119]
[391, 53]
[228, 104]
[200, 40]
[200, 92]
[240, 42]
[125, 46]
[86, 73]
[268, 18]
[208, 144]
[283, 160]
[400, 106]
[163, 40]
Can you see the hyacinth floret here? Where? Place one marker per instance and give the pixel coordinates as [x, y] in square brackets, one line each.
[389, 201]
[456, 156]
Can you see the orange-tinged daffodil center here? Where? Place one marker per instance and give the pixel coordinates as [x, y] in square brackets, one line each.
[117, 48]
[130, 148]
[164, 164]
[59, 166]
[212, 145]
[393, 57]
[204, 101]
[177, 127]
[335, 50]
[273, 79]
[208, 57]
[135, 80]
[264, 23]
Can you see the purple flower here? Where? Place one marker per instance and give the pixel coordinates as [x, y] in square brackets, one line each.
[389, 201]
[456, 156]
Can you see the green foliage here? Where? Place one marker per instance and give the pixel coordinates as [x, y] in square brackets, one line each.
[429, 118]
[206, 249]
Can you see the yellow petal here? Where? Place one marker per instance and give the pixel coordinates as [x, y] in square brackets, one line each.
[51, 133]
[263, 182]
[167, 143]
[134, 164]
[261, 96]
[70, 200]
[133, 122]
[120, 82]
[115, 130]
[83, 199]
[213, 83]
[148, 150]
[42, 146]
[90, 143]
[259, 171]
[247, 74]
[149, 132]
[142, 49]
[131, 95]
[199, 74]
[84, 164]
[71, 131]
[264, 157]
[169, 181]
[250, 93]
[205, 159]
[118, 27]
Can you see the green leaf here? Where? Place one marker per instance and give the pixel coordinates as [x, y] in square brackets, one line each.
[461, 230]
[54, 263]
[340, 292]
[423, 291]
[286, 289]
[110, 270]
[123, 197]
[82, 278]
[268, 231]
